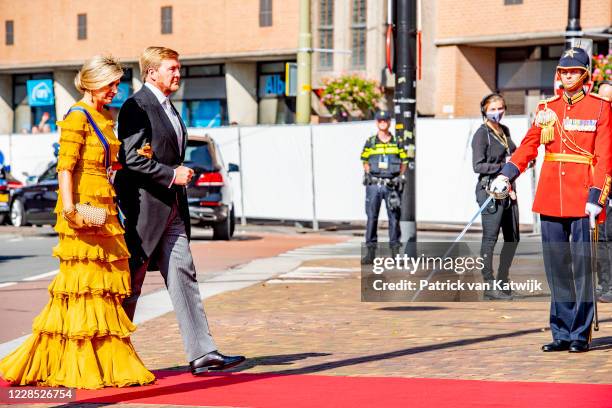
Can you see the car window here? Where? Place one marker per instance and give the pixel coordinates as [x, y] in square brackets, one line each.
[49, 174]
[199, 156]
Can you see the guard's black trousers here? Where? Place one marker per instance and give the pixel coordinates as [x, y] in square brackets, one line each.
[375, 194]
[499, 214]
[567, 251]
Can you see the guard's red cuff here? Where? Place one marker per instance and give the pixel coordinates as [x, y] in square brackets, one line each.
[604, 191]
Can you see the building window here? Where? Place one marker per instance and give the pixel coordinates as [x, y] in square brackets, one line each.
[358, 34]
[166, 20]
[10, 34]
[326, 33]
[265, 13]
[32, 113]
[510, 2]
[82, 26]
[202, 98]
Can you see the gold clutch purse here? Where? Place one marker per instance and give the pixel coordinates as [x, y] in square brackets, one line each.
[95, 216]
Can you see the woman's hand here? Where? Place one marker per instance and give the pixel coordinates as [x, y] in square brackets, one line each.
[75, 220]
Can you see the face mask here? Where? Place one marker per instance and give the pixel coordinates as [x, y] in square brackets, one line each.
[495, 116]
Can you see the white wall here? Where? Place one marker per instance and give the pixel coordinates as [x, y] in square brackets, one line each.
[276, 164]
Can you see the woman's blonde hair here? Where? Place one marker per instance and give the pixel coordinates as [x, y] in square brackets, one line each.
[98, 72]
[152, 57]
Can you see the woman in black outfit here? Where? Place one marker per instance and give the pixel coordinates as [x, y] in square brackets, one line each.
[491, 147]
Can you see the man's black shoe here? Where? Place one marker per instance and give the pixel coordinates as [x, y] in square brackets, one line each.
[214, 361]
[578, 346]
[556, 345]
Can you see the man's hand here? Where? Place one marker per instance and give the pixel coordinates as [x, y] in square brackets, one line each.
[182, 175]
[500, 184]
[592, 210]
[367, 179]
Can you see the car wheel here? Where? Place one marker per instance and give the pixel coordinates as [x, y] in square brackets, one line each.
[232, 223]
[222, 231]
[18, 216]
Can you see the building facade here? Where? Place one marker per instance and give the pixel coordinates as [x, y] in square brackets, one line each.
[509, 46]
[235, 53]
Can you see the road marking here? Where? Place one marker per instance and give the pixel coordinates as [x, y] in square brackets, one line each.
[41, 276]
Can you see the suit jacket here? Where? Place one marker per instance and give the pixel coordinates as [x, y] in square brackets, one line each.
[142, 184]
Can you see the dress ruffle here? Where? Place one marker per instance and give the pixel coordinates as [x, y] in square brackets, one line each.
[84, 317]
[52, 360]
[91, 247]
[78, 278]
[81, 338]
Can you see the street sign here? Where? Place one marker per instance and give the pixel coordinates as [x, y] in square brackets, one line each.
[40, 92]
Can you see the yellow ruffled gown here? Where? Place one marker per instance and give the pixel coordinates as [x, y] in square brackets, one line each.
[81, 338]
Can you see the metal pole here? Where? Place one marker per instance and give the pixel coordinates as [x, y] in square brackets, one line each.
[315, 222]
[242, 213]
[304, 58]
[573, 28]
[405, 107]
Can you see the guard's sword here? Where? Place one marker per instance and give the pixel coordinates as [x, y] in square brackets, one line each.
[594, 233]
[492, 196]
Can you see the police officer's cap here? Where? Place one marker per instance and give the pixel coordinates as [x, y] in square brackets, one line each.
[382, 115]
[574, 57]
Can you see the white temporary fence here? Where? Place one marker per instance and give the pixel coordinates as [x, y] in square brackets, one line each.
[314, 172]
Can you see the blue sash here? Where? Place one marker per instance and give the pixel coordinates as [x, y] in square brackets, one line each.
[107, 153]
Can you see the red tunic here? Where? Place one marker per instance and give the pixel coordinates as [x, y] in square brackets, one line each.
[565, 187]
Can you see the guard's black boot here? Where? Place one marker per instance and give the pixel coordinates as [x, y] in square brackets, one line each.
[368, 258]
[493, 294]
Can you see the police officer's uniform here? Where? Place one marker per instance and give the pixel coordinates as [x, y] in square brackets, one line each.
[383, 183]
[576, 134]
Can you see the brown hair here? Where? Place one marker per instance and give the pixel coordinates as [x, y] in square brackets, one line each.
[152, 57]
[98, 72]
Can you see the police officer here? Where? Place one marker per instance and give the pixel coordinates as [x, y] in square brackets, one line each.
[573, 187]
[384, 163]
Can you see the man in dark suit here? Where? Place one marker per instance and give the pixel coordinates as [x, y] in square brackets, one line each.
[151, 192]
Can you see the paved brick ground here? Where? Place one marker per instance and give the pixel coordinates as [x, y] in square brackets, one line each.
[324, 328]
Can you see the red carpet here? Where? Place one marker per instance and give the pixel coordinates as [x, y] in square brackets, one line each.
[297, 391]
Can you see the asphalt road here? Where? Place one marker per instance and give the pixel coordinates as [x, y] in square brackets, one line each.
[27, 267]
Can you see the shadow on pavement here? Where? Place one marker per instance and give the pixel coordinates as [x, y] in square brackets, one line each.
[274, 360]
[13, 257]
[411, 308]
[602, 343]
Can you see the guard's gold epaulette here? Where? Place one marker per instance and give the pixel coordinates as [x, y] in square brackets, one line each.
[598, 96]
[552, 98]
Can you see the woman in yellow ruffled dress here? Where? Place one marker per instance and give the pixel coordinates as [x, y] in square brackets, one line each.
[81, 338]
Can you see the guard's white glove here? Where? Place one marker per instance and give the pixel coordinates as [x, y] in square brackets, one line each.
[500, 184]
[592, 211]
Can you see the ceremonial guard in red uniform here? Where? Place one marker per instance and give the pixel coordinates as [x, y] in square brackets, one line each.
[572, 189]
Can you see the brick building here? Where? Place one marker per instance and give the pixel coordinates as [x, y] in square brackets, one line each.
[234, 52]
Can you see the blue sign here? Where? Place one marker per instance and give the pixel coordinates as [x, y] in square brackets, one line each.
[271, 85]
[123, 91]
[40, 92]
